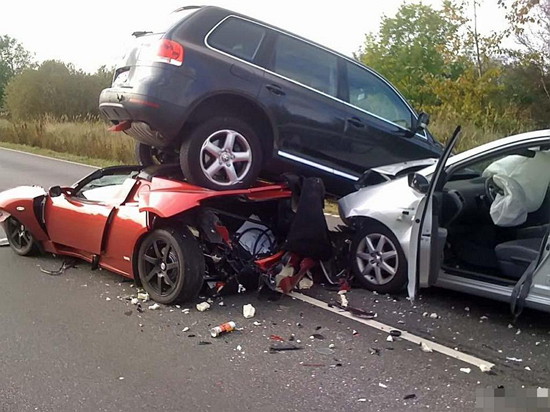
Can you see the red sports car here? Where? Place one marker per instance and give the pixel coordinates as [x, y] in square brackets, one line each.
[150, 225]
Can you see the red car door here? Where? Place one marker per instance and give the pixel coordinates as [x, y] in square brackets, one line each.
[78, 217]
[76, 222]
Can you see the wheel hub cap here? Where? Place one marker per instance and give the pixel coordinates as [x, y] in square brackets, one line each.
[377, 258]
[163, 266]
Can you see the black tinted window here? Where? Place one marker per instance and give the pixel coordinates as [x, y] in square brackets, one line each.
[306, 64]
[238, 37]
[370, 93]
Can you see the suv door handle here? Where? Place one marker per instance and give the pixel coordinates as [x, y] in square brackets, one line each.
[355, 122]
[276, 90]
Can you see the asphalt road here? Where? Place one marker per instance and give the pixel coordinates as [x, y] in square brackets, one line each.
[75, 343]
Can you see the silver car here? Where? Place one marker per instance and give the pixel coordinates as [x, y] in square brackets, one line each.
[432, 223]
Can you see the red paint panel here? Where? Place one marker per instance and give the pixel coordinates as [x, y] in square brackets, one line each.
[77, 224]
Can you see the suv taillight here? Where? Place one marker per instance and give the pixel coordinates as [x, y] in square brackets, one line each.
[170, 52]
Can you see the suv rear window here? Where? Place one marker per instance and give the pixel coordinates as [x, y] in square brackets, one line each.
[306, 64]
[238, 37]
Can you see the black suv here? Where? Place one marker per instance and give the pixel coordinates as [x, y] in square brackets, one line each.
[233, 97]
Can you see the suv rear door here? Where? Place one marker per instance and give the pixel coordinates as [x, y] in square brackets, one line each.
[301, 88]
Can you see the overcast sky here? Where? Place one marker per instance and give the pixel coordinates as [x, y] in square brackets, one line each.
[92, 33]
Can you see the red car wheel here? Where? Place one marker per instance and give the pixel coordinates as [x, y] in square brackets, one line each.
[20, 239]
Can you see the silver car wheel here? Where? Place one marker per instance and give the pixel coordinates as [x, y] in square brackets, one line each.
[226, 157]
[377, 258]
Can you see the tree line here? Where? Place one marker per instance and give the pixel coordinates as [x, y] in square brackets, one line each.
[435, 56]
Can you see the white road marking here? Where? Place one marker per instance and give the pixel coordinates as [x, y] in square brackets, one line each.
[472, 360]
[49, 158]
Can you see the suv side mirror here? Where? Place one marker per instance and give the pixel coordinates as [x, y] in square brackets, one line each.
[418, 182]
[55, 191]
[422, 122]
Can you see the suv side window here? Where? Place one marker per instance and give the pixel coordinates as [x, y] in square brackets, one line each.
[238, 37]
[371, 94]
[306, 64]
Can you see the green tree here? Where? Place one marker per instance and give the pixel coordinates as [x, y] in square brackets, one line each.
[14, 58]
[55, 89]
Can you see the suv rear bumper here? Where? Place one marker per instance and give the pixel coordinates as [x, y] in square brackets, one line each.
[154, 122]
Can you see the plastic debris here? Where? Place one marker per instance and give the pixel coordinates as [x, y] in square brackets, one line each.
[514, 359]
[222, 303]
[434, 316]
[483, 318]
[154, 306]
[382, 385]
[409, 396]
[239, 348]
[332, 346]
[305, 283]
[374, 351]
[201, 307]
[249, 311]
[139, 308]
[425, 347]
[465, 370]
[144, 296]
[518, 332]
[283, 346]
[389, 338]
[354, 332]
[317, 336]
[343, 298]
[4, 242]
[256, 323]
[510, 326]
[134, 301]
[241, 289]
[277, 338]
[223, 328]
[527, 368]
[186, 329]
[362, 400]
[108, 299]
[485, 368]
[395, 333]
[185, 311]
[121, 378]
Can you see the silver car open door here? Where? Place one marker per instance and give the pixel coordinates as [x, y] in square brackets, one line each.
[427, 238]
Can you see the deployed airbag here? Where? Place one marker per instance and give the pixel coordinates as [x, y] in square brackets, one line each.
[508, 209]
[531, 173]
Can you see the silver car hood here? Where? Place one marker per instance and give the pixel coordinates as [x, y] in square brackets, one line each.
[396, 168]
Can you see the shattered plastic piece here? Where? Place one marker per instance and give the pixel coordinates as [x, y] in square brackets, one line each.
[241, 289]
[256, 323]
[186, 311]
[201, 307]
[374, 351]
[518, 332]
[527, 368]
[485, 368]
[514, 359]
[134, 301]
[186, 329]
[354, 332]
[483, 318]
[144, 296]
[283, 346]
[121, 378]
[4, 242]
[434, 316]
[332, 346]
[362, 400]
[425, 347]
[239, 348]
[510, 326]
[409, 396]
[249, 311]
[277, 338]
[222, 303]
[305, 283]
[425, 314]
[343, 299]
[382, 385]
[107, 299]
[223, 328]
[537, 343]
[317, 336]
[389, 338]
[154, 306]
[465, 370]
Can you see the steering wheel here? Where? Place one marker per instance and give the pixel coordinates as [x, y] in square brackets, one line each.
[492, 190]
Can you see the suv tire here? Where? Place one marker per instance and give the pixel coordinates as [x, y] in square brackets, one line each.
[223, 153]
